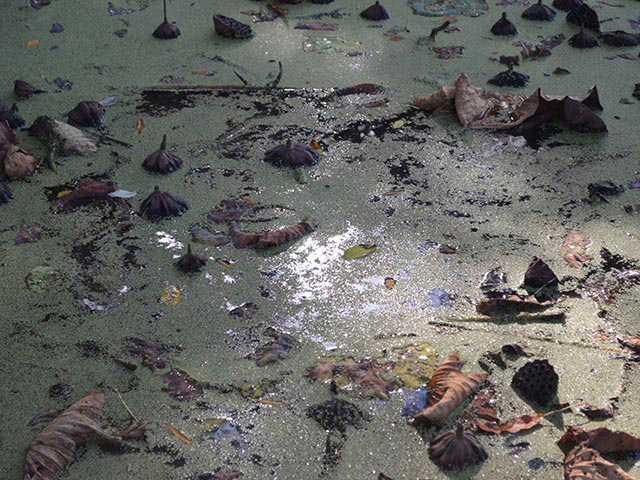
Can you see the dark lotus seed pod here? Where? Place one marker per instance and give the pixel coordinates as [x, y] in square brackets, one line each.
[24, 90]
[162, 204]
[191, 262]
[162, 161]
[291, 155]
[375, 12]
[87, 114]
[567, 5]
[166, 30]
[620, 38]
[536, 381]
[11, 116]
[5, 194]
[539, 275]
[510, 78]
[636, 90]
[504, 26]
[539, 12]
[231, 28]
[456, 450]
[583, 40]
[584, 16]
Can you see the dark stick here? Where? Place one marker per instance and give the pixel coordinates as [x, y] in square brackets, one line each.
[436, 30]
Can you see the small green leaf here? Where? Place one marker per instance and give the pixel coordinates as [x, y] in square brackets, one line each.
[359, 251]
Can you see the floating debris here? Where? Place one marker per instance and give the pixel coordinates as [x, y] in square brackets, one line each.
[230, 28]
[162, 204]
[62, 138]
[620, 38]
[509, 78]
[375, 12]
[277, 350]
[29, 233]
[191, 262]
[585, 17]
[17, 164]
[181, 386]
[504, 26]
[583, 40]
[536, 381]
[567, 5]
[539, 275]
[87, 114]
[5, 194]
[292, 155]
[457, 449]
[162, 161]
[270, 238]
[11, 116]
[539, 11]
[150, 352]
[24, 89]
[166, 30]
[444, 8]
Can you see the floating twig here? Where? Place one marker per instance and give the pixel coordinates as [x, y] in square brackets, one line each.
[125, 404]
[436, 30]
[278, 78]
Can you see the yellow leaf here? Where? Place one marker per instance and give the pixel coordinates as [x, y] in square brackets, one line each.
[171, 296]
[359, 251]
[63, 193]
[398, 123]
[224, 263]
[33, 43]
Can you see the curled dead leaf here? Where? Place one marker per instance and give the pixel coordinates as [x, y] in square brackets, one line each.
[448, 388]
[585, 462]
[524, 422]
[632, 343]
[53, 448]
[18, 164]
[511, 304]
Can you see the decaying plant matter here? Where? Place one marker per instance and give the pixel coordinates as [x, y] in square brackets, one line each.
[448, 389]
[53, 448]
[270, 238]
[477, 108]
[456, 449]
[585, 462]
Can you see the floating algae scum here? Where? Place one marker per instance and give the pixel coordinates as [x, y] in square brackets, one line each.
[417, 182]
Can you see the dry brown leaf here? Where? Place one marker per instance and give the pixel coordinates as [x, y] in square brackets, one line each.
[632, 343]
[524, 422]
[477, 108]
[511, 304]
[574, 249]
[448, 389]
[18, 164]
[140, 126]
[53, 448]
[179, 434]
[601, 439]
[584, 463]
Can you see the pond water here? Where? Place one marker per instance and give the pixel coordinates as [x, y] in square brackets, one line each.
[410, 182]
